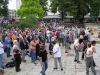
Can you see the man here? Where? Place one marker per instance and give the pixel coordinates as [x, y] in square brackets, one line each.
[1, 55]
[8, 45]
[76, 45]
[66, 42]
[57, 55]
[1, 71]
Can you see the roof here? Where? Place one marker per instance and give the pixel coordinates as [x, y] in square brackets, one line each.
[51, 16]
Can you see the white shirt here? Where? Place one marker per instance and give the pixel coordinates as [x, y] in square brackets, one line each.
[1, 48]
[56, 48]
[88, 52]
[87, 32]
[76, 42]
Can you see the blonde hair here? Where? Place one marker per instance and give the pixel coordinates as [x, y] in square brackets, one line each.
[14, 42]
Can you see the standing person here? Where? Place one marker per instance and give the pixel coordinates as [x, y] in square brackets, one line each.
[93, 48]
[1, 54]
[57, 55]
[22, 47]
[70, 38]
[37, 48]
[85, 41]
[8, 45]
[89, 59]
[76, 46]
[66, 42]
[33, 51]
[17, 56]
[43, 59]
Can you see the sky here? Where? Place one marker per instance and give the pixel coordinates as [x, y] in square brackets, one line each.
[12, 4]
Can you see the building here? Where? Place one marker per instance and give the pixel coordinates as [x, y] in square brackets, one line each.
[14, 5]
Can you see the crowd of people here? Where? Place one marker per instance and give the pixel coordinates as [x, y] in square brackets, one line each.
[32, 41]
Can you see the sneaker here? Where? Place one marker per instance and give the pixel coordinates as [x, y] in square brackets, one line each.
[61, 69]
[78, 62]
[75, 60]
[54, 68]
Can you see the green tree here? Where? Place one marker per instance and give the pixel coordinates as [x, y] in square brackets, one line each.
[95, 9]
[30, 7]
[4, 8]
[44, 4]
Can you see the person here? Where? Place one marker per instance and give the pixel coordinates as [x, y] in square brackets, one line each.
[22, 47]
[33, 51]
[76, 45]
[8, 45]
[85, 41]
[66, 42]
[43, 59]
[89, 59]
[17, 56]
[1, 71]
[1, 55]
[57, 55]
[37, 48]
[94, 49]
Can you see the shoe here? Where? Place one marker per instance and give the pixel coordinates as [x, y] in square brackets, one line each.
[78, 62]
[54, 68]
[24, 61]
[61, 69]
[66, 52]
[75, 60]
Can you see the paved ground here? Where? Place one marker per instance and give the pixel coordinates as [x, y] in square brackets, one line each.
[70, 67]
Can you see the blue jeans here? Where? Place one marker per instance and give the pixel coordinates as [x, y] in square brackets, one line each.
[45, 66]
[33, 56]
[1, 60]
[8, 51]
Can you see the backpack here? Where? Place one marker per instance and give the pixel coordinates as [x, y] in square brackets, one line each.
[10, 64]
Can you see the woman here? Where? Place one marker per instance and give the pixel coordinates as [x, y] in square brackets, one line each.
[37, 48]
[17, 56]
[43, 59]
[89, 59]
[85, 41]
[33, 51]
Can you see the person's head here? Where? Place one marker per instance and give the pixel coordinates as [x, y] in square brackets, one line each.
[89, 44]
[93, 42]
[1, 71]
[15, 42]
[53, 43]
[42, 47]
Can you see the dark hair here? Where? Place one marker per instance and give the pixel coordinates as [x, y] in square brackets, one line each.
[93, 42]
[53, 42]
[85, 37]
[89, 44]
[42, 47]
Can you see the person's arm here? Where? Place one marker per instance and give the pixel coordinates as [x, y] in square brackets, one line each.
[41, 61]
[94, 50]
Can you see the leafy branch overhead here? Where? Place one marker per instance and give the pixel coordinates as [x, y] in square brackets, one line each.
[76, 8]
[30, 7]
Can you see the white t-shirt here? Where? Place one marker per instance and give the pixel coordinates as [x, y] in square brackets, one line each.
[56, 48]
[88, 50]
[76, 42]
[1, 48]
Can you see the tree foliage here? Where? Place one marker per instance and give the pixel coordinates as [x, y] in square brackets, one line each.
[76, 8]
[4, 8]
[30, 7]
[44, 4]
